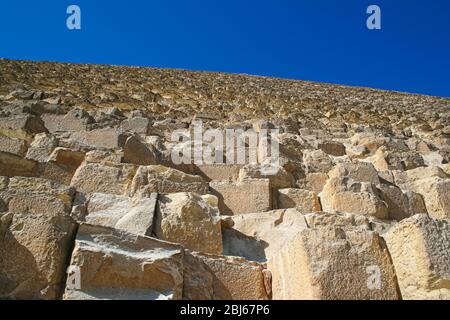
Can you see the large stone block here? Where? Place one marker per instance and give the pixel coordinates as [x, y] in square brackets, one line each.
[22, 127]
[218, 172]
[304, 201]
[420, 250]
[35, 239]
[134, 215]
[109, 264]
[332, 263]
[225, 278]
[189, 219]
[258, 236]
[97, 177]
[108, 138]
[14, 146]
[160, 179]
[243, 197]
[12, 165]
[41, 147]
[434, 186]
[346, 195]
[136, 152]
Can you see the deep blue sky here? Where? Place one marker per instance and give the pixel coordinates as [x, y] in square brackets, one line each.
[320, 40]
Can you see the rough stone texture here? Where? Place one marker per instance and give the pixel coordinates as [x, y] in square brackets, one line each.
[219, 172]
[433, 184]
[419, 247]
[41, 147]
[333, 148]
[304, 201]
[258, 236]
[14, 146]
[231, 278]
[189, 219]
[375, 157]
[96, 177]
[12, 165]
[313, 181]
[162, 179]
[134, 151]
[114, 264]
[347, 195]
[121, 212]
[243, 197]
[401, 205]
[333, 263]
[35, 239]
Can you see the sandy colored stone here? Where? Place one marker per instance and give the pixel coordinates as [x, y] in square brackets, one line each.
[190, 220]
[304, 201]
[419, 247]
[313, 181]
[333, 263]
[258, 236]
[160, 179]
[13, 146]
[22, 127]
[243, 197]
[121, 212]
[333, 148]
[35, 240]
[96, 177]
[233, 278]
[12, 165]
[347, 195]
[136, 152]
[116, 265]
[218, 172]
[434, 186]
[41, 147]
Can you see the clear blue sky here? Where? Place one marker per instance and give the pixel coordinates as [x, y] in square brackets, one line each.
[319, 40]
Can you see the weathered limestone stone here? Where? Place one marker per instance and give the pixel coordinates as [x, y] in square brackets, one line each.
[96, 177]
[189, 219]
[358, 171]
[232, 278]
[333, 148]
[41, 147]
[333, 263]
[258, 236]
[22, 127]
[243, 197]
[110, 158]
[434, 186]
[76, 120]
[12, 165]
[304, 201]
[109, 138]
[134, 151]
[134, 215]
[401, 205]
[317, 161]
[278, 179]
[347, 195]
[138, 125]
[67, 157]
[113, 264]
[218, 172]
[14, 146]
[337, 220]
[419, 247]
[160, 179]
[313, 181]
[35, 240]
